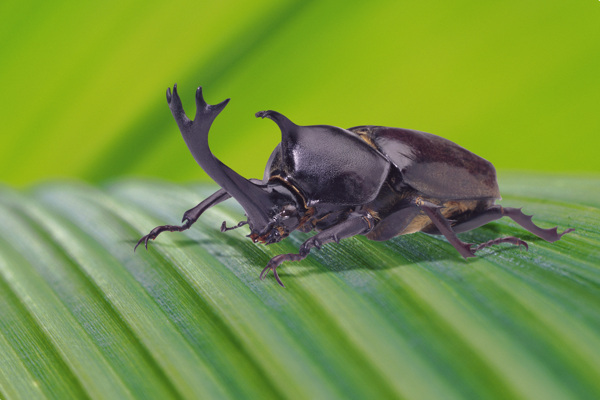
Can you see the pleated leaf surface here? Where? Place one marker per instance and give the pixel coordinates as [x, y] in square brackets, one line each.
[83, 316]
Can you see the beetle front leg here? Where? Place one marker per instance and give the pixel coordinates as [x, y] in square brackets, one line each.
[225, 228]
[358, 223]
[189, 217]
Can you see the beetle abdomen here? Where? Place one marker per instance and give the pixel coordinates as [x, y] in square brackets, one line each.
[432, 165]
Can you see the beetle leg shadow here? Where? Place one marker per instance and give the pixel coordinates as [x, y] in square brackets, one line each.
[357, 223]
[510, 239]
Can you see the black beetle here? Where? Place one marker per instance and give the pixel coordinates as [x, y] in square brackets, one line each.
[368, 180]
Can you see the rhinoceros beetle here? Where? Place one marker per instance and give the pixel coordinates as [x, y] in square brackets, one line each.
[369, 180]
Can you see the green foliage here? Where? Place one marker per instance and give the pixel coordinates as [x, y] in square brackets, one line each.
[83, 82]
[82, 316]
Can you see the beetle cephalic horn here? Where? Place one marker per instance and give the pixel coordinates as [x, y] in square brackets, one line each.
[251, 197]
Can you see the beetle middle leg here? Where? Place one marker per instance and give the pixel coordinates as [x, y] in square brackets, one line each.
[358, 223]
[189, 217]
[225, 228]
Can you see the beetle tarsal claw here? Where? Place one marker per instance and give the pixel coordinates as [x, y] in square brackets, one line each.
[140, 242]
[272, 266]
[469, 251]
[152, 235]
[276, 261]
[565, 232]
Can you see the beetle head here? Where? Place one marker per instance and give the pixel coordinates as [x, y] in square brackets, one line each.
[286, 214]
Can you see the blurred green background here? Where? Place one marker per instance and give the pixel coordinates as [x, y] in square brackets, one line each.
[83, 83]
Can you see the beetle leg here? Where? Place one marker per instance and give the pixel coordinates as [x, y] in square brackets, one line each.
[358, 223]
[549, 235]
[225, 228]
[443, 225]
[276, 261]
[189, 217]
[491, 214]
[496, 212]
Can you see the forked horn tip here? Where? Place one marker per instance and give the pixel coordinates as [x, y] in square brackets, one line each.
[169, 96]
[202, 104]
[199, 98]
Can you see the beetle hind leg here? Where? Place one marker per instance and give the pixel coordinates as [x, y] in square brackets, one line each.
[549, 235]
[491, 214]
[496, 212]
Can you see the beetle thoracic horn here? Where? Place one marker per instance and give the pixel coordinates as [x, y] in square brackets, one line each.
[251, 197]
[288, 129]
[281, 120]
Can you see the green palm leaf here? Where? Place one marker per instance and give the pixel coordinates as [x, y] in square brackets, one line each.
[82, 316]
